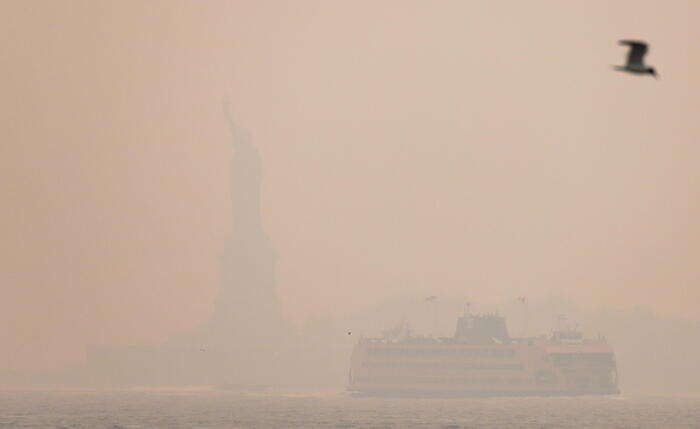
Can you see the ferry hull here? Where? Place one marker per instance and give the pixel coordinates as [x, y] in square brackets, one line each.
[418, 393]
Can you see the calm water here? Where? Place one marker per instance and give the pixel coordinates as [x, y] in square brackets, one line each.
[213, 409]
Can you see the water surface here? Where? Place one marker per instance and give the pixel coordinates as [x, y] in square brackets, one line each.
[205, 408]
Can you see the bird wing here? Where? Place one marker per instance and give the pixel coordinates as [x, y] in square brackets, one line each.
[637, 51]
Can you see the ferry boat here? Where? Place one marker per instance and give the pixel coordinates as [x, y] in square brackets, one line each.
[481, 359]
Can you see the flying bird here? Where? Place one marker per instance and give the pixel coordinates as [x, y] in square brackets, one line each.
[635, 58]
[431, 298]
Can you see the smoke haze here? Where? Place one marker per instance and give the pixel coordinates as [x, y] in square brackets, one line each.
[473, 150]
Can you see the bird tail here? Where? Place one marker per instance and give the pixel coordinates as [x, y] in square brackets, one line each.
[618, 68]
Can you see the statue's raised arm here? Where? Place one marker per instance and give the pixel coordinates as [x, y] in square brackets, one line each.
[227, 115]
[240, 136]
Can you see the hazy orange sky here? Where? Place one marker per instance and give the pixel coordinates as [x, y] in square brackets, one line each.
[474, 148]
